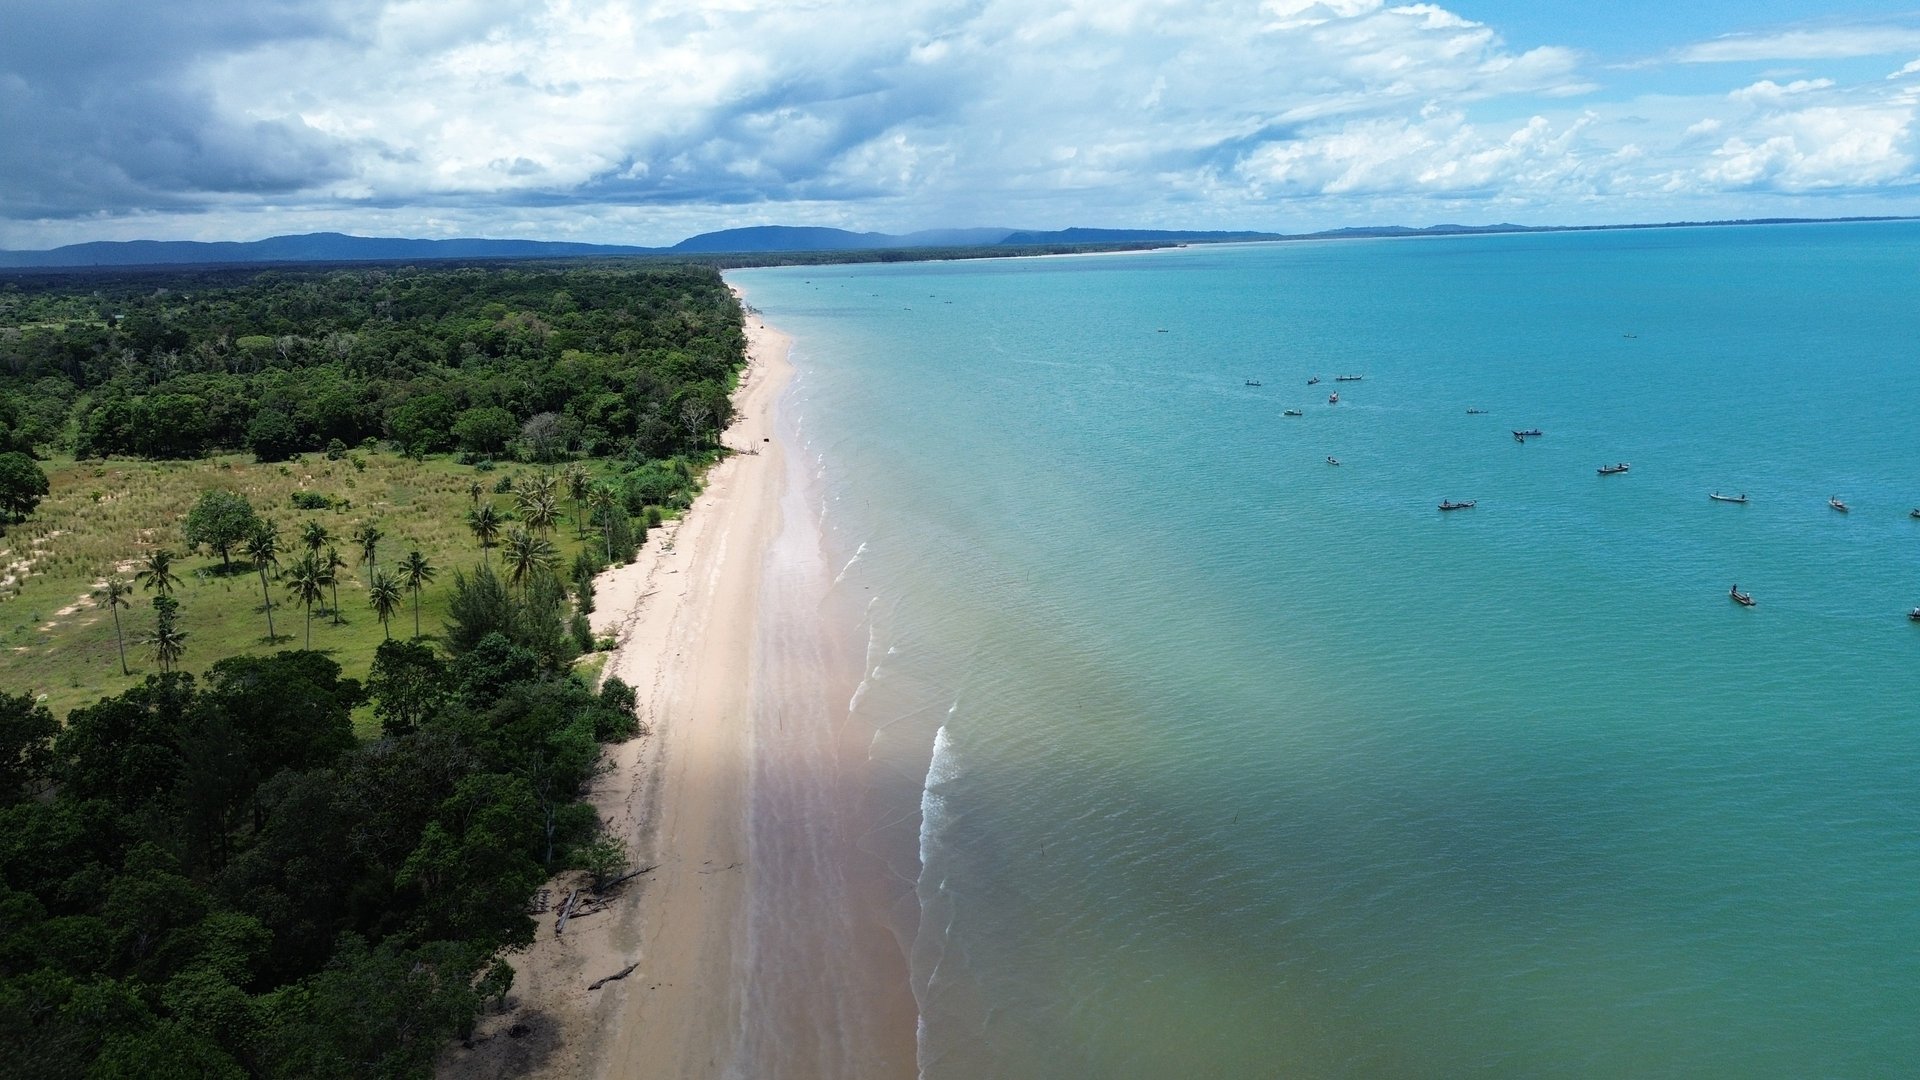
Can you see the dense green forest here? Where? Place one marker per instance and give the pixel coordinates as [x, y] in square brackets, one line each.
[213, 875]
[539, 361]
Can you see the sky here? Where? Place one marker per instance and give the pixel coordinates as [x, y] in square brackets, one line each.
[645, 121]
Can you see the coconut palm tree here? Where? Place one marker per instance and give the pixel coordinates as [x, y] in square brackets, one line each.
[315, 536]
[417, 573]
[538, 503]
[369, 539]
[263, 548]
[604, 501]
[307, 582]
[485, 525]
[474, 491]
[579, 482]
[169, 641]
[334, 564]
[384, 596]
[118, 589]
[527, 555]
[157, 573]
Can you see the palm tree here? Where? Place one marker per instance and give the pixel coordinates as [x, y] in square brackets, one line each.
[417, 572]
[169, 641]
[157, 573]
[384, 595]
[315, 536]
[263, 547]
[579, 482]
[474, 491]
[537, 503]
[307, 582]
[335, 564]
[485, 524]
[118, 589]
[604, 500]
[369, 539]
[526, 555]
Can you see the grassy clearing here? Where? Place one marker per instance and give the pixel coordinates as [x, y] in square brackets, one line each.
[100, 517]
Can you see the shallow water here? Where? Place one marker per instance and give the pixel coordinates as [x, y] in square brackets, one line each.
[1250, 765]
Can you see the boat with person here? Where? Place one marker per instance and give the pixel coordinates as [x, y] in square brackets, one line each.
[1615, 469]
[1253, 382]
[1333, 399]
[1743, 599]
[1314, 381]
[1914, 614]
[1914, 513]
[1476, 412]
[1348, 378]
[1468, 505]
[1331, 460]
[1293, 412]
[1834, 501]
[1530, 433]
[1717, 497]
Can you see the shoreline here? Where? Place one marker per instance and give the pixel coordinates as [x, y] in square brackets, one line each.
[697, 797]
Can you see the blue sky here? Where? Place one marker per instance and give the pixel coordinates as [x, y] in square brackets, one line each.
[644, 122]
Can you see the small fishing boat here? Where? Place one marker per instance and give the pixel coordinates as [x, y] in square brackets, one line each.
[1348, 378]
[1530, 433]
[1333, 399]
[1614, 469]
[1293, 412]
[1743, 599]
[1914, 513]
[1717, 497]
[1253, 382]
[1834, 501]
[1468, 505]
[1315, 381]
[1914, 614]
[1331, 460]
[1476, 412]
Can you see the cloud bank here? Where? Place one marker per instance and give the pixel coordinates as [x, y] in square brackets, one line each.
[623, 120]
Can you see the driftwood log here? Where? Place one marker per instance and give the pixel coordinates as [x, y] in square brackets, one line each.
[615, 977]
[566, 909]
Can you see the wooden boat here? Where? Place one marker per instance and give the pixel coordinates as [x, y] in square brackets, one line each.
[1331, 460]
[1333, 399]
[1914, 614]
[1717, 497]
[1476, 412]
[1348, 378]
[1614, 469]
[1530, 433]
[1743, 599]
[1834, 501]
[1293, 412]
[1468, 505]
[1914, 513]
[1315, 381]
[1253, 382]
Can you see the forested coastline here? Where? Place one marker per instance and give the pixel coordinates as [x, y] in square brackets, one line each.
[271, 869]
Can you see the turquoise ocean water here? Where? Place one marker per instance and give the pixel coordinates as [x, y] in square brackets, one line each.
[1198, 756]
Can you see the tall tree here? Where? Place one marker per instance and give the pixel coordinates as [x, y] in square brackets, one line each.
[157, 573]
[605, 501]
[263, 548]
[22, 485]
[307, 582]
[537, 502]
[527, 555]
[222, 520]
[368, 537]
[384, 596]
[417, 572]
[169, 641]
[117, 592]
[334, 564]
[484, 523]
[579, 482]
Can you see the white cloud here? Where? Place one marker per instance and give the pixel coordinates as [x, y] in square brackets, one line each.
[1825, 147]
[1826, 43]
[1766, 90]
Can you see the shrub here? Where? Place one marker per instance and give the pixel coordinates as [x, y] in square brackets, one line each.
[311, 500]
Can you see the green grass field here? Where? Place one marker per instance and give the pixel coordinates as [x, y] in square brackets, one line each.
[101, 517]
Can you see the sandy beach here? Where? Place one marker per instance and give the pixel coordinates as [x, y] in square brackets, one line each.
[688, 616]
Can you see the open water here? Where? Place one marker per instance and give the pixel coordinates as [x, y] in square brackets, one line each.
[1196, 755]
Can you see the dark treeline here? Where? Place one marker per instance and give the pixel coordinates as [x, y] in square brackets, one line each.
[605, 360]
[213, 878]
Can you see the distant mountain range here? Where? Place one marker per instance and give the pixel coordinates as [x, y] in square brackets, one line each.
[760, 239]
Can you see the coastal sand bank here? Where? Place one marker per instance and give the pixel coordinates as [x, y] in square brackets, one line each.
[692, 620]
